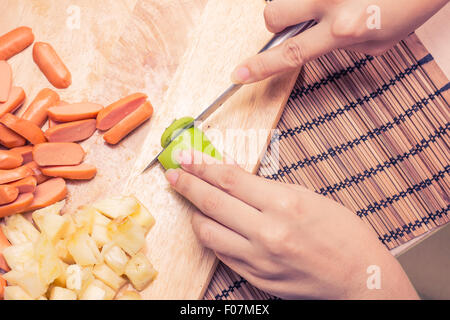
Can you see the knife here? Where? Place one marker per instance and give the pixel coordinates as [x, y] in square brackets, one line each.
[277, 39]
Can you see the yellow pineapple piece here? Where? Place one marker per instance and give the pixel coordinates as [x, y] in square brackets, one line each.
[84, 218]
[97, 290]
[62, 278]
[78, 278]
[117, 206]
[29, 280]
[83, 249]
[52, 209]
[20, 256]
[59, 293]
[143, 217]
[105, 274]
[63, 253]
[19, 230]
[53, 225]
[115, 258]
[140, 271]
[16, 293]
[127, 233]
[50, 266]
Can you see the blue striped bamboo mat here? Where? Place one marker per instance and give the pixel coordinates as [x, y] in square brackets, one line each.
[371, 133]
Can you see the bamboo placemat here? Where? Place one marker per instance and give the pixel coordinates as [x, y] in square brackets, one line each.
[371, 133]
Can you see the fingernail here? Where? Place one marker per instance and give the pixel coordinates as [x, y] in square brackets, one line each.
[184, 157]
[240, 75]
[172, 176]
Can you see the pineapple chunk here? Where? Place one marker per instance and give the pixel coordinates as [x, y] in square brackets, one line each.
[58, 293]
[97, 290]
[100, 235]
[117, 206]
[129, 295]
[143, 217]
[127, 233]
[28, 280]
[115, 258]
[78, 278]
[50, 266]
[72, 228]
[83, 249]
[19, 256]
[16, 293]
[19, 230]
[63, 253]
[52, 209]
[53, 225]
[140, 271]
[105, 274]
[84, 218]
[62, 279]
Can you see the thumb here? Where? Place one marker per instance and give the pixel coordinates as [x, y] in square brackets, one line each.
[291, 54]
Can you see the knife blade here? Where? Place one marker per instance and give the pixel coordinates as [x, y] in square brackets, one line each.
[276, 40]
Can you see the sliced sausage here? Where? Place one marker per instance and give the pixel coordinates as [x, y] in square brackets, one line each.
[112, 114]
[15, 174]
[48, 193]
[4, 243]
[37, 110]
[83, 171]
[51, 65]
[25, 185]
[15, 41]
[10, 159]
[51, 122]
[26, 152]
[25, 128]
[71, 131]
[21, 204]
[9, 138]
[37, 173]
[16, 99]
[58, 154]
[74, 112]
[8, 194]
[5, 80]
[129, 123]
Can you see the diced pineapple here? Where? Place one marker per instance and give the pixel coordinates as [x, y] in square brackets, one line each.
[117, 206]
[84, 218]
[78, 278]
[19, 256]
[50, 266]
[143, 217]
[62, 278]
[63, 253]
[52, 209]
[83, 249]
[72, 228]
[97, 290]
[100, 235]
[127, 233]
[100, 219]
[129, 295]
[29, 280]
[16, 293]
[115, 258]
[19, 230]
[53, 225]
[140, 271]
[104, 273]
[58, 293]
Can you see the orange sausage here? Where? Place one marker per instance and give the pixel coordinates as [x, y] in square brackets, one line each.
[8, 194]
[129, 123]
[112, 114]
[21, 204]
[74, 112]
[15, 41]
[37, 110]
[83, 171]
[25, 185]
[51, 65]
[37, 173]
[10, 159]
[16, 99]
[58, 154]
[15, 174]
[51, 122]
[71, 131]
[9, 138]
[4, 243]
[2, 286]
[5, 80]
[48, 193]
[25, 128]
[26, 152]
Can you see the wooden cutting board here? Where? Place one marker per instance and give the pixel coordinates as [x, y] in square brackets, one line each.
[180, 53]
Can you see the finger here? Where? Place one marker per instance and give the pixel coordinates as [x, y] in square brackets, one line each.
[291, 54]
[283, 13]
[254, 191]
[216, 204]
[219, 238]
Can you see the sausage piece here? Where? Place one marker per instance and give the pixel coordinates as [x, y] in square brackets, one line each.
[25, 128]
[21, 204]
[51, 122]
[8, 194]
[10, 159]
[112, 114]
[48, 193]
[51, 65]
[38, 108]
[4, 243]
[26, 152]
[16, 99]
[5, 80]
[71, 131]
[15, 174]
[129, 123]
[58, 154]
[25, 185]
[83, 171]
[37, 173]
[15, 41]
[74, 112]
[9, 138]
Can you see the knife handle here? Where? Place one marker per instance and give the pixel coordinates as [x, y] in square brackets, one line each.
[287, 33]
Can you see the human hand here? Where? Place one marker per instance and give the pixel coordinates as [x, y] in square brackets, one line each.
[347, 24]
[284, 239]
